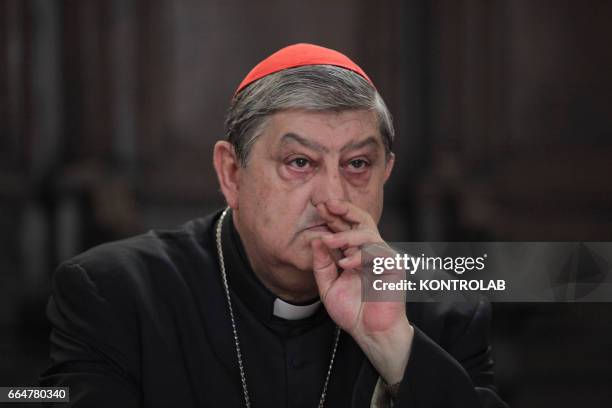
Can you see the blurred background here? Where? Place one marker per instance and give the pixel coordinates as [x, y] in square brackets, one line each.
[109, 110]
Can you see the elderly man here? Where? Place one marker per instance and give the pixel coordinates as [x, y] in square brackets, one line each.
[260, 304]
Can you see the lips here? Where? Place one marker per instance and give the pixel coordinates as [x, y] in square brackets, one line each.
[319, 227]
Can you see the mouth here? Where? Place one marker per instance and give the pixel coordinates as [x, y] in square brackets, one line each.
[319, 227]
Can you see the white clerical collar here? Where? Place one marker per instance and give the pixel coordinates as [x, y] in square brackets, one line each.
[288, 311]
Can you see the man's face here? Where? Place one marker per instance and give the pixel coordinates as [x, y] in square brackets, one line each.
[301, 159]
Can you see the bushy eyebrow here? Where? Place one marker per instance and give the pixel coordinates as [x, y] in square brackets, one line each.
[293, 137]
[289, 137]
[371, 140]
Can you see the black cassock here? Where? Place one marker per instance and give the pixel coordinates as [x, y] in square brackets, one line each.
[145, 322]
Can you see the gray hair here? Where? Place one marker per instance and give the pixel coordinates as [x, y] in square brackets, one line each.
[312, 87]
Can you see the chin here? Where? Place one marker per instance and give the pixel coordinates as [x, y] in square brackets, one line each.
[304, 264]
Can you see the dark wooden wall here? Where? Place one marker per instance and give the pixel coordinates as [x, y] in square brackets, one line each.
[109, 110]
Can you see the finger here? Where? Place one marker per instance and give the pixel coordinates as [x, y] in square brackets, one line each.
[323, 267]
[334, 222]
[349, 251]
[349, 212]
[351, 262]
[353, 238]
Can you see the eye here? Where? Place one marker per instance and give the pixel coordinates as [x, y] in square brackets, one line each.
[358, 165]
[300, 164]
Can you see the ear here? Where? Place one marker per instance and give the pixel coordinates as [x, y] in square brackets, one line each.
[389, 165]
[228, 171]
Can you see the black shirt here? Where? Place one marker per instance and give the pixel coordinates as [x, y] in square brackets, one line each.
[145, 322]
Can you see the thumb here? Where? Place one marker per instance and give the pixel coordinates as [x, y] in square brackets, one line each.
[323, 267]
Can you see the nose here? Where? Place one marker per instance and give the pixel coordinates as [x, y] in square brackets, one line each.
[328, 185]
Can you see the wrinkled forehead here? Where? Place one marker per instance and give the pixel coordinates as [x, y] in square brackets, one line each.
[322, 131]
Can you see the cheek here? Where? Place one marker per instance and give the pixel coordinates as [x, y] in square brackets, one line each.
[369, 198]
[275, 210]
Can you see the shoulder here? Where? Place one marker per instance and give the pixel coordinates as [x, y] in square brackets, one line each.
[120, 267]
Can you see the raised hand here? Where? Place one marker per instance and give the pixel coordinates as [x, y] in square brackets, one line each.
[380, 328]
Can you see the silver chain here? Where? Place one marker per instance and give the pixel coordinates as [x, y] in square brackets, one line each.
[245, 390]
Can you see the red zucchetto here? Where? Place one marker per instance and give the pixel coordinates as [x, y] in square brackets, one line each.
[299, 55]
